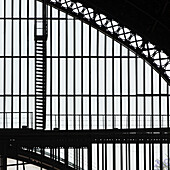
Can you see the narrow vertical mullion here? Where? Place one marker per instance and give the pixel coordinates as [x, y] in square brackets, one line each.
[152, 113]
[168, 123]
[150, 168]
[59, 77]
[121, 86]
[168, 156]
[145, 156]
[74, 81]
[97, 95]
[90, 116]
[167, 105]
[128, 90]
[28, 63]
[160, 101]
[20, 64]
[12, 50]
[66, 71]
[136, 84]
[51, 75]
[4, 62]
[97, 79]
[128, 149]
[121, 113]
[161, 165]
[144, 89]
[51, 70]
[74, 71]
[127, 156]
[113, 118]
[105, 81]
[82, 75]
[82, 106]
[66, 149]
[105, 67]
[144, 110]
[137, 155]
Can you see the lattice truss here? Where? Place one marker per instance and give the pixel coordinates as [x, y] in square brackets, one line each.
[157, 58]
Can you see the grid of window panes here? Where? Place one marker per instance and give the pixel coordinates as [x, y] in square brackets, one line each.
[93, 82]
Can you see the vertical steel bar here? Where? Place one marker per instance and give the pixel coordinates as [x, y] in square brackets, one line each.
[28, 63]
[82, 86]
[51, 68]
[4, 116]
[168, 125]
[66, 71]
[144, 110]
[144, 90]
[20, 64]
[128, 86]
[137, 155]
[160, 113]
[97, 95]
[74, 81]
[160, 126]
[51, 73]
[113, 116]
[12, 53]
[105, 93]
[90, 115]
[121, 109]
[161, 164]
[74, 69]
[136, 84]
[66, 149]
[152, 112]
[59, 77]
[150, 167]
[168, 156]
[90, 157]
[82, 74]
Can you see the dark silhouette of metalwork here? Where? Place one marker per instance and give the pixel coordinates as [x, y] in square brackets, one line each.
[94, 16]
[30, 145]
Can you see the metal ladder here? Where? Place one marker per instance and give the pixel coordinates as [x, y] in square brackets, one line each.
[41, 30]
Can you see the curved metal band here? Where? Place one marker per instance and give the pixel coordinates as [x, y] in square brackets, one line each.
[35, 159]
[149, 52]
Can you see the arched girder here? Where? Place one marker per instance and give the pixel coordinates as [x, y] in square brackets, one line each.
[150, 53]
[35, 159]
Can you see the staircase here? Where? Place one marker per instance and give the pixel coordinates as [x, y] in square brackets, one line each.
[41, 29]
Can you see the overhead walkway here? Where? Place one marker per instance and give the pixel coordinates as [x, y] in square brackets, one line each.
[21, 143]
[30, 138]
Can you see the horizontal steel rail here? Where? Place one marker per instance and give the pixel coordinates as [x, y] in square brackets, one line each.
[30, 138]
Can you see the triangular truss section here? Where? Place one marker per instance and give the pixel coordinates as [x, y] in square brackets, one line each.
[154, 56]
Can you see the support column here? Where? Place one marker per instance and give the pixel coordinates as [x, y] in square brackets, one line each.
[3, 162]
[90, 157]
[66, 156]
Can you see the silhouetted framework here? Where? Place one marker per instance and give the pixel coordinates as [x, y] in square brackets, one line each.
[79, 91]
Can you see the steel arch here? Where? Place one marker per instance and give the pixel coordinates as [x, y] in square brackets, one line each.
[155, 57]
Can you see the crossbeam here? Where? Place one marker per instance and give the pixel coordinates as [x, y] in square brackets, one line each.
[30, 138]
